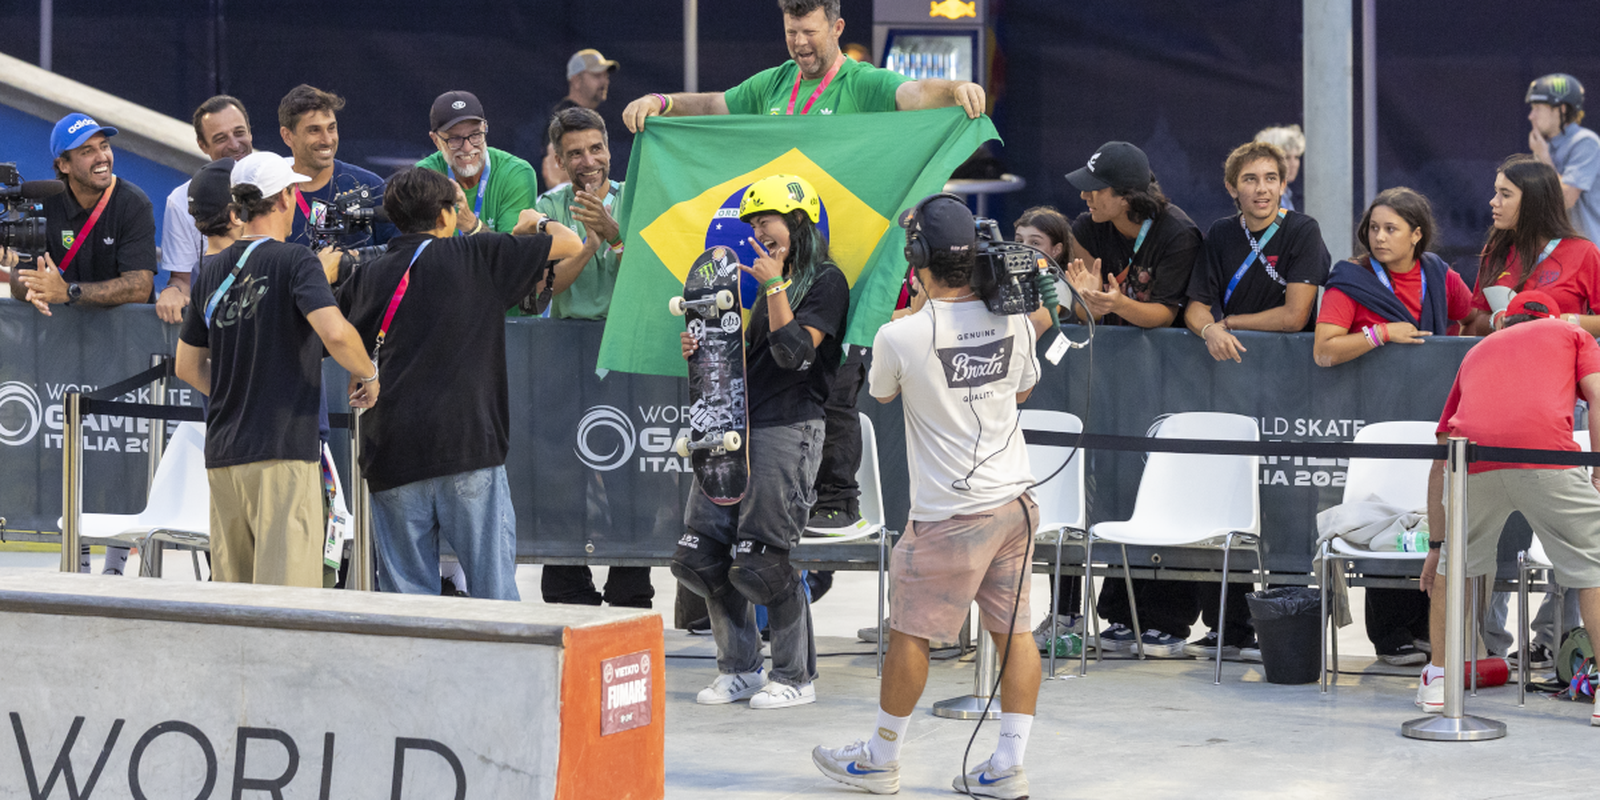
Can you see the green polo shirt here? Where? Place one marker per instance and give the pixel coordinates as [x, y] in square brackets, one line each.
[510, 191]
[589, 296]
[855, 88]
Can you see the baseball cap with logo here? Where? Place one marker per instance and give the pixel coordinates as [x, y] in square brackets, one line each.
[1118, 165]
[452, 107]
[944, 222]
[589, 60]
[209, 193]
[73, 130]
[268, 172]
[1534, 303]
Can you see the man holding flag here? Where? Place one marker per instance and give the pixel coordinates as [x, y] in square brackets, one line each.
[821, 79]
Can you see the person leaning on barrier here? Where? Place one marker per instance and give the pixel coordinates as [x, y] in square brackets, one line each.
[434, 450]
[792, 351]
[972, 519]
[1555, 110]
[222, 131]
[1258, 270]
[497, 186]
[1531, 243]
[1292, 141]
[818, 77]
[1517, 388]
[253, 342]
[1397, 291]
[100, 233]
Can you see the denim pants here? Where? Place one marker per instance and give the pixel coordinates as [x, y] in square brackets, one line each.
[471, 510]
[783, 466]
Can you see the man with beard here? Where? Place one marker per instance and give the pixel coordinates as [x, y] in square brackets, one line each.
[496, 186]
[221, 130]
[310, 129]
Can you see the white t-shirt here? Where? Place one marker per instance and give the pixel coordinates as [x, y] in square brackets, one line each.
[958, 370]
[182, 244]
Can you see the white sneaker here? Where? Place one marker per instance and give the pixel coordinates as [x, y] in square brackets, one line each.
[782, 695]
[1056, 625]
[726, 689]
[1430, 693]
[851, 765]
[980, 782]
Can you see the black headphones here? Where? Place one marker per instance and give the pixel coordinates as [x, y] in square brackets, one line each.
[917, 253]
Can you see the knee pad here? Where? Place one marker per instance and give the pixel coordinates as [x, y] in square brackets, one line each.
[702, 564]
[763, 573]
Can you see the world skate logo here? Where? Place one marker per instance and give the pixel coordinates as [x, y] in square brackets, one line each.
[20, 413]
[968, 367]
[605, 438]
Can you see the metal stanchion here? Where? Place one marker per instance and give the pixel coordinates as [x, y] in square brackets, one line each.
[972, 706]
[71, 481]
[1454, 725]
[150, 555]
[360, 576]
[883, 561]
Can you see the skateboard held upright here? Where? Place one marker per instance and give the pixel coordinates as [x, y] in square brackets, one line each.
[718, 416]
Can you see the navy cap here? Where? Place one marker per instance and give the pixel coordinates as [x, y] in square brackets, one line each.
[72, 131]
[210, 189]
[944, 222]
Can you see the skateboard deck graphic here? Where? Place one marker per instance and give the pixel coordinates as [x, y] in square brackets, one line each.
[719, 423]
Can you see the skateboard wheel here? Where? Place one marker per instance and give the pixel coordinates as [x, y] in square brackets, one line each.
[731, 441]
[682, 446]
[724, 299]
[675, 305]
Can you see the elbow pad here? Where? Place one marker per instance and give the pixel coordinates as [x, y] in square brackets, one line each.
[791, 347]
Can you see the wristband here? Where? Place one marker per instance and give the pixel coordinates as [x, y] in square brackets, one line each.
[1384, 338]
[1204, 329]
[1572, 318]
[770, 282]
[777, 289]
[374, 374]
[478, 228]
[1495, 319]
[666, 103]
[616, 248]
[1435, 545]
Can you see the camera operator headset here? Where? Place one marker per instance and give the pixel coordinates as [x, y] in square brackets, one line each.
[1010, 278]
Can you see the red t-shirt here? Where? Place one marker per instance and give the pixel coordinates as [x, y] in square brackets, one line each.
[1571, 275]
[1339, 309]
[1517, 387]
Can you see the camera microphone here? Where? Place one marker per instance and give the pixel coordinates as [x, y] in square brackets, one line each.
[39, 190]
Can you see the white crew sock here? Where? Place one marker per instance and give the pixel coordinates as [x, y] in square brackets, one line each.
[453, 571]
[884, 744]
[117, 558]
[1013, 741]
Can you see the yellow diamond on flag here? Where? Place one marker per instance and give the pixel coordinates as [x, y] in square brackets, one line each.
[679, 235]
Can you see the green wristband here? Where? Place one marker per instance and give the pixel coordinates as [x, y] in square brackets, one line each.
[768, 283]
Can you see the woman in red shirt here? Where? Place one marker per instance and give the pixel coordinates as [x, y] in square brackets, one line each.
[1532, 245]
[1398, 292]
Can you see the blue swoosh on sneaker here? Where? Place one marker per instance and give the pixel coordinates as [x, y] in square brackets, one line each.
[851, 768]
[983, 780]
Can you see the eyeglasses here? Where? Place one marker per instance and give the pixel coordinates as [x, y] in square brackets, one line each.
[458, 142]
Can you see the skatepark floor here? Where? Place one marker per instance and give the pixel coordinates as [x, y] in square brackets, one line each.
[1153, 729]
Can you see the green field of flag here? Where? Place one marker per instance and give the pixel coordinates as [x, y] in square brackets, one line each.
[685, 177]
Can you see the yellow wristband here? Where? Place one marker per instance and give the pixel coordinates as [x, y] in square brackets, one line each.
[778, 288]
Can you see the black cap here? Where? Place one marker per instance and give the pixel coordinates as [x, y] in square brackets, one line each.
[209, 193]
[452, 107]
[1118, 165]
[944, 222]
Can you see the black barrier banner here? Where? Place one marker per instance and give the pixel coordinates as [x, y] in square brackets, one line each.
[592, 471]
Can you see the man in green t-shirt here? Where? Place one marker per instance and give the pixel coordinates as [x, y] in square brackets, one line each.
[496, 185]
[818, 79]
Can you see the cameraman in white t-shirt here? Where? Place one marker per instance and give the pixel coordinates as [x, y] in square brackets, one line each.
[961, 371]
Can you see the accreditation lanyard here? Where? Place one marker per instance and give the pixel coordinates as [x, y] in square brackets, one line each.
[1422, 274]
[821, 87]
[1138, 242]
[305, 208]
[227, 283]
[394, 302]
[79, 237]
[483, 183]
[1256, 246]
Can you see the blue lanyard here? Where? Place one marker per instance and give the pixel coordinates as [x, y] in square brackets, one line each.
[1548, 249]
[227, 283]
[1144, 229]
[1383, 276]
[1255, 250]
[483, 183]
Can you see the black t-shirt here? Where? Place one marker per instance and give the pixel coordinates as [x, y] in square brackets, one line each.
[266, 361]
[123, 239]
[1295, 253]
[444, 408]
[1159, 272]
[782, 396]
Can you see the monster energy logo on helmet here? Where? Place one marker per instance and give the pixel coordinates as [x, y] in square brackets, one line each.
[796, 191]
[1555, 89]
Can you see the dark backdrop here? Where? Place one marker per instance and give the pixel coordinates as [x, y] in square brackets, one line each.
[1185, 80]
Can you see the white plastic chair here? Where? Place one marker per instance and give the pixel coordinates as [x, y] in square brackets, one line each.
[1063, 514]
[1534, 560]
[871, 486]
[1398, 482]
[178, 509]
[1195, 501]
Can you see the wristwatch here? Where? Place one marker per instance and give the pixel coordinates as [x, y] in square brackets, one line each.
[74, 293]
[544, 223]
[1435, 545]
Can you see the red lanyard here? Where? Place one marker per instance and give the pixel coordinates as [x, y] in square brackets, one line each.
[394, 302]
[821, 87]
[80, 236]
[300, 200]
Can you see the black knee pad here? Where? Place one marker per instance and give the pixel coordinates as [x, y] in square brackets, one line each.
[762, 573]
[702, 564]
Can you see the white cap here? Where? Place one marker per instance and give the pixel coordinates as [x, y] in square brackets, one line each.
[268, 172]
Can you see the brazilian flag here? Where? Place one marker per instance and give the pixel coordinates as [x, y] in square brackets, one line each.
[685, 179]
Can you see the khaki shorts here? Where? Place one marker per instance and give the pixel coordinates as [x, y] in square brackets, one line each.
[1561, 506]
[939, 568]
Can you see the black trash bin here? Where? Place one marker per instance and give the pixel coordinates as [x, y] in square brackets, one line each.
[1286, 621]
